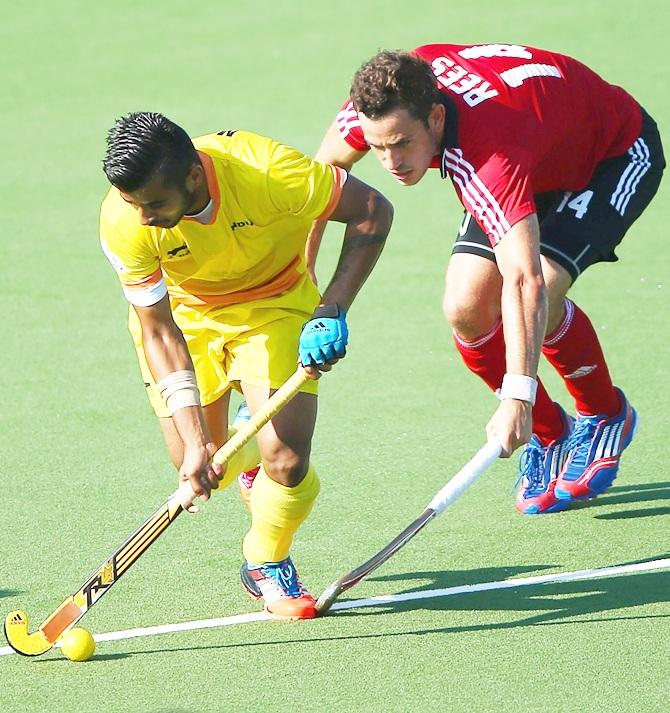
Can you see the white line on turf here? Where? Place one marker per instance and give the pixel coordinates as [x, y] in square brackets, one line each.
[614, 571]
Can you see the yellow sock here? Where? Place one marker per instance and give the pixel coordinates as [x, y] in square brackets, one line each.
[277, 513]
[246, 458]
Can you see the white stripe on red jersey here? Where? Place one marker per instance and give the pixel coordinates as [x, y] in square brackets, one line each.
[475, 196]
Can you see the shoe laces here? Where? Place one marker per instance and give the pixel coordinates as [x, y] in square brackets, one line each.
[284, 574]
[531, 466]
[580, 439]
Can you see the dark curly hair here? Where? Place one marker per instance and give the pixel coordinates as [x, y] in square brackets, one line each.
[144, 143]
[394, 79]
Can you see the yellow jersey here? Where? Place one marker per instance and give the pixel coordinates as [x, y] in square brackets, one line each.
[264, 198]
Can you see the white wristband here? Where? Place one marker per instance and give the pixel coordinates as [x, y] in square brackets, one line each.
[179, 390]
[518, 386]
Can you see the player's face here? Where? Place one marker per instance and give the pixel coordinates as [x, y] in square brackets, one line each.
[405, 145]
[161, 204]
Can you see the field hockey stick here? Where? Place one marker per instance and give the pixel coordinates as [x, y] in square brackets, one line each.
[75, 606]
[445, 497]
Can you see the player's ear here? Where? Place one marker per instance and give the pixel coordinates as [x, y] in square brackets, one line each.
[195, 177]
[437, 117]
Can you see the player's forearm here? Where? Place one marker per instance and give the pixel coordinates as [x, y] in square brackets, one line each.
[524, 298]
[524, 313]
[166, 354]
[364, 240]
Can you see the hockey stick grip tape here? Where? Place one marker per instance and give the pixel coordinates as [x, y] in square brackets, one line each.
[184, 495]
[466, 476]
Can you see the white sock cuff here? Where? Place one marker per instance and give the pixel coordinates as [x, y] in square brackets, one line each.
[480, 341]
[564, 326]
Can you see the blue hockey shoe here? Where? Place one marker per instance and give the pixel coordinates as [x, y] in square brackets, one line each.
[279, 585]
[594, 450]
[539, 467]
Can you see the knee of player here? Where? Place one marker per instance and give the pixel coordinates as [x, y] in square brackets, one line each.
[468, 320]
[287, 467]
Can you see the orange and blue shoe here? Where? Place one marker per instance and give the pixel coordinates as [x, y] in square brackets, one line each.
[539, 467]
[279, 585]
[595, 447]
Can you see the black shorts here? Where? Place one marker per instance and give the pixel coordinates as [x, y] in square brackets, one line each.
[581, 228]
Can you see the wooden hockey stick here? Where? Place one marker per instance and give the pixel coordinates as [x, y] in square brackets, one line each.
[76, 605]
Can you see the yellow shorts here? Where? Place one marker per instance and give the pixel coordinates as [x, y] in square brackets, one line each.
[253, 342]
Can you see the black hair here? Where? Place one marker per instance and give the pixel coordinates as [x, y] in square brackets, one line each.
[143, 144]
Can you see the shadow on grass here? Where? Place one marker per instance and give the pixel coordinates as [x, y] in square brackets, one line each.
[542, 604]
[635, 487]
[9, 593]
[566, 603]
[629, 514]
[622, 494]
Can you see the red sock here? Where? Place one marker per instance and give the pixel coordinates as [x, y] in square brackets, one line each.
[575, 352]
[486, 358]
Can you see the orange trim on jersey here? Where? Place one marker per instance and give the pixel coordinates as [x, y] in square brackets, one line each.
[212, 187]
[145, 282]
[280, 283]
[339, 176]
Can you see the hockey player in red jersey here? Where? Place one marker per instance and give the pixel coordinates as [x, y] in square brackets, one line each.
[552, 164]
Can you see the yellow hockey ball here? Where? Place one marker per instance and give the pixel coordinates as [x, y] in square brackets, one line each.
[77, 644]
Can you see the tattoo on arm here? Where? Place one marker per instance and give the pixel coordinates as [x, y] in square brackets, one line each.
[354, 243]
[362, 241]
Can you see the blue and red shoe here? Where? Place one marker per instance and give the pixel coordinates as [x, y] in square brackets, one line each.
[539, 467]
[279, 585]
[595, 447]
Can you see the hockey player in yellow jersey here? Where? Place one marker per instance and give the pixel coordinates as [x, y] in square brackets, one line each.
[207, 237]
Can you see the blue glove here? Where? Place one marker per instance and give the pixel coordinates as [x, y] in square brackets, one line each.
[324, 338]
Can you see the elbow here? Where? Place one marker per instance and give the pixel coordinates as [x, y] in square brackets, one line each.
[380, 211]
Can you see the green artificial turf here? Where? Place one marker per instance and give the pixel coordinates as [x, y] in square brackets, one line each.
[81, 457]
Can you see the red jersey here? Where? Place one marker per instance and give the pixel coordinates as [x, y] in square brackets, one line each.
[519, 121]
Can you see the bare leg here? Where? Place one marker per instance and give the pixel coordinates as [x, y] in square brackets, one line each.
[471, 301]
[558, 281]
[285, 442]
[472, 306]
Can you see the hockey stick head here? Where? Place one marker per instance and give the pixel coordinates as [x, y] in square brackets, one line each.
[24, 643]
[465, 477]
[327, 599]
[346, 581]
